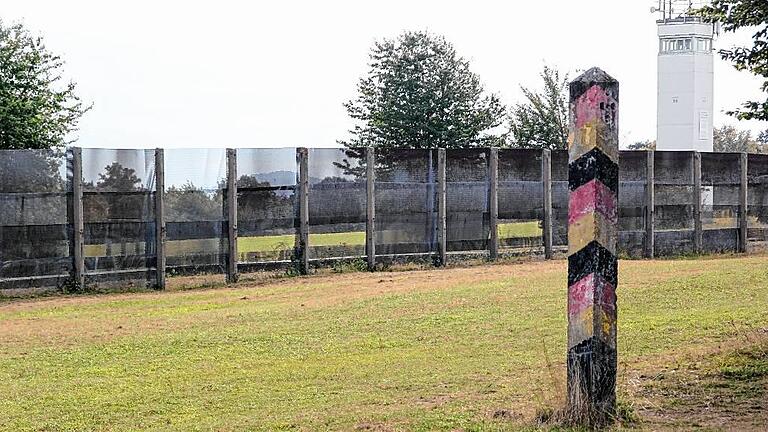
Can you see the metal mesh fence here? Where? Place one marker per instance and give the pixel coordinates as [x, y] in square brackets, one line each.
[337, 203]
[467, 199]
[406, 202]
[267, 204]
[521, 199]
[34, 231]
[119, 193]
[118, 210]
[195, 215]
[720, 181]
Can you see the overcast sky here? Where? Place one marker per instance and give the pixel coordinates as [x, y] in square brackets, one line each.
[256, 74]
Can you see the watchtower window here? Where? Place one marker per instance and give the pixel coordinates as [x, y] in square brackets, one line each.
[676, 45]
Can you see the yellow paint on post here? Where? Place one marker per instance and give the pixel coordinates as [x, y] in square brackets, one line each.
[591, 227]
[593, 134]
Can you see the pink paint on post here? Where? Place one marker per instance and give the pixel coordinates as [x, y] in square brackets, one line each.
[588, 106]
[581, 295]
[593, 196]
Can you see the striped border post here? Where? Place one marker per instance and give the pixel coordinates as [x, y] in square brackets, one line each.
[593, 180]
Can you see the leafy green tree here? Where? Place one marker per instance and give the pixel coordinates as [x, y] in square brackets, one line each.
[118, 178]
[729, 139]
[420, 94]
[749, 14]
[189, 203]
[37, 110]
[542, 120]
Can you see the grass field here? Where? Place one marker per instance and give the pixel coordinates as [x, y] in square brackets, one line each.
[477, 348]
[286, 242]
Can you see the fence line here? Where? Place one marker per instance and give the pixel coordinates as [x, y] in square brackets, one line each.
[303, 207]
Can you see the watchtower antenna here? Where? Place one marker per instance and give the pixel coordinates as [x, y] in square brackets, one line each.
[672, 9]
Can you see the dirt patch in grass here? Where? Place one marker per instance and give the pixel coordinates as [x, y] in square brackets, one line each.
[716, 388]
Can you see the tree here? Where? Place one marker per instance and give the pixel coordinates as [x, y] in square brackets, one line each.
[118, 178]
[734, 15]
[36, 109]
[420, 94]
[643, 145]
[542, 121]
[762, 137]
[729, 139]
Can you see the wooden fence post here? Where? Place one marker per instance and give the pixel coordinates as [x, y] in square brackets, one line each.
[592, 239]
[232, 257]
[743, 188]
[370, 206]
[546, 180]
[159, 219]
[650, 203]
[697, 232]
[493, 204]
[442, 232]
[78, 225]
[303, 155]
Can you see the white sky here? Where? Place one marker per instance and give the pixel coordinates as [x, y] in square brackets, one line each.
[256, 74]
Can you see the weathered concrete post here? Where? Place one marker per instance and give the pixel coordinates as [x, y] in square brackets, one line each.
[546, 181]
[593, 181]
[303, 241]
[78, 225]
[743, 188]
[442, 230]
[160, 231]
[232, 274]
[493, 203]
[370, 207]
[650, 204]
[697, 203]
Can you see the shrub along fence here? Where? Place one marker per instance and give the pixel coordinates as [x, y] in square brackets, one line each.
[90, 216]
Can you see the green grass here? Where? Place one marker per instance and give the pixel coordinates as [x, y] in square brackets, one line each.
[286, 242]
[427, 350]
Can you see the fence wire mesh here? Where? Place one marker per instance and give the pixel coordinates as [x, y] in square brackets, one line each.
[34, 231]
[406, 202]
[118, 210]
[521, 199]
[467, 199]
[337, 203]
[267, 204]
[195, 215]
[119, 193]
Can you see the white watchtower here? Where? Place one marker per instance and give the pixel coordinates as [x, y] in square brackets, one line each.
[685, 80]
